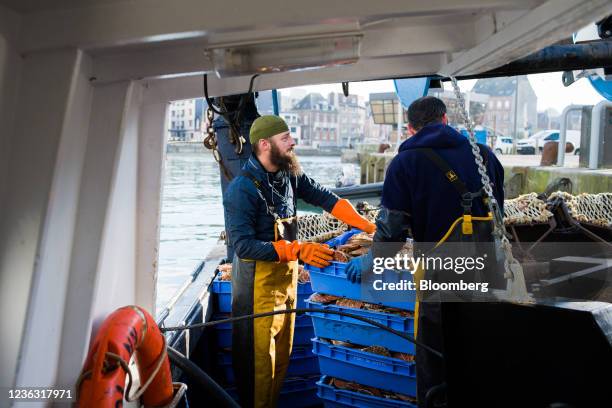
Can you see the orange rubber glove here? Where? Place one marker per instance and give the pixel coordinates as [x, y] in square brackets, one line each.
[312, 253]
[345, 212]
[315, 254]
[286, 251]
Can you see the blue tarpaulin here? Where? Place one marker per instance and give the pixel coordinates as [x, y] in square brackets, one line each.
[602, 86]
[410, 89]
[480, 135]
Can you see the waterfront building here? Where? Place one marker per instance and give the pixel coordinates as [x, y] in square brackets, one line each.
[319, 119]
[185, 120]
[503, 98]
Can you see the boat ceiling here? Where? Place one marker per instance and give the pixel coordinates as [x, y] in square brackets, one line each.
[159, 39]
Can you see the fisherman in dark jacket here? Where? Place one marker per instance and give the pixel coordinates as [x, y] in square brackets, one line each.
[422, 199]
[260, 214]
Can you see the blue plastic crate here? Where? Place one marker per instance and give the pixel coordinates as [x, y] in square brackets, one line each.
[223, 332]
[365, 368]
[304, 330]
[298, 393]
[302, 333]
[304, 290]
[222, 292]
[302, 363]
[336, 398]
[343, 238]
[336, 327]
[331, 280]
[295, 393]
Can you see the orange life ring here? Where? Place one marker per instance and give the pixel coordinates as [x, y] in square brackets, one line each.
[128, 330]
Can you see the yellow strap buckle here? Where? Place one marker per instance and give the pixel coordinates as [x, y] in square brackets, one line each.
[451, 175]
[466, 227]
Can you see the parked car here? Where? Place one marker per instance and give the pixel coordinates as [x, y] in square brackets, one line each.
[536, 143]
[572, 137]
[503, 145]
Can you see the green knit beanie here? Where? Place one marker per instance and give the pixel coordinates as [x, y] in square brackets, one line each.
[267, 126]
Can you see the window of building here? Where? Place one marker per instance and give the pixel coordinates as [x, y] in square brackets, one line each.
[499, 104]
[507, 104]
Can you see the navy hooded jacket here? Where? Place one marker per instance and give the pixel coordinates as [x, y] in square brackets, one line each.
[250, 226]
[417, 188]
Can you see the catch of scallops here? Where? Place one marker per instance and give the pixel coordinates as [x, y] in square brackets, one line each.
[364, 389]
[358, 304]
[225, 271]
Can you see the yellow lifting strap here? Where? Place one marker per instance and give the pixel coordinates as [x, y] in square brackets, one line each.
[466, 227]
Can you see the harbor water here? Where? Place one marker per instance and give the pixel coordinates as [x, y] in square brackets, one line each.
[192, 212]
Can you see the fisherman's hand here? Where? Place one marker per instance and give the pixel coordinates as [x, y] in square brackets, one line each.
[357, 266]
[353, 270]
[286, 251]
[314, 254]
[311, 253]
[345, 212]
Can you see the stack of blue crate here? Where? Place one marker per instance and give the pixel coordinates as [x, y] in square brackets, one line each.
[390, 374]
[299, 389]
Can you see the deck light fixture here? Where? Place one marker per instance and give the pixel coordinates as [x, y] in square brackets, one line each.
[288, 55]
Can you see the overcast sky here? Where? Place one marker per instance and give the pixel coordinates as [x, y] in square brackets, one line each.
[548, 87]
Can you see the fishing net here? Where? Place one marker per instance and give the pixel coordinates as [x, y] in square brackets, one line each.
[595, 209]
[526, 209]
[319, 227]
[367, 210]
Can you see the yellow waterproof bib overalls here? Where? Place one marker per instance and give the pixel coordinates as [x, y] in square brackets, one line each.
[428, 324]
[261, 347]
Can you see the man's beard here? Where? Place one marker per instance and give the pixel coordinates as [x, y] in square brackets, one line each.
[287, 162]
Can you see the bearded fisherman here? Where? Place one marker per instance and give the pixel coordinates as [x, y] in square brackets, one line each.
[260, 213]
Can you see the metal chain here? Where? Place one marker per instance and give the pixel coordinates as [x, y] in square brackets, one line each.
[513, 270]
[210, 142]
[499, 228]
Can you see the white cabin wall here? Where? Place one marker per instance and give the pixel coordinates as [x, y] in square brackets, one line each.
[41, 106]
[10, 63]
[45, 316]
[151, 164]
[116, 286]
[130, 244]
[105, 221]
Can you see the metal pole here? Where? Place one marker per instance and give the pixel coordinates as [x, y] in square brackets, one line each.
[275, 102]
[563, 133]
[515, 136]
[400, 123]
[495, 131]
[594, 141]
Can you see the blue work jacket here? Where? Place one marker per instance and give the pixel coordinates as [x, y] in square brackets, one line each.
[250, 225]
[415, 187]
